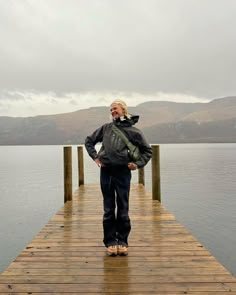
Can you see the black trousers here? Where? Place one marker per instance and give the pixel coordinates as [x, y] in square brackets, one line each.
[115, 186]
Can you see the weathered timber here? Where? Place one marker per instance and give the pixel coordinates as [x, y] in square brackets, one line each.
[67, 173]
[156, 175]
[141, 176]
[68, 256]
[80, 165]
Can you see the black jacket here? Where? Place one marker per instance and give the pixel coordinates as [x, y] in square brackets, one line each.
[114, 151]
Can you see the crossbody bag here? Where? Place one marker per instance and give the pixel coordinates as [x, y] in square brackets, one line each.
[133, 150]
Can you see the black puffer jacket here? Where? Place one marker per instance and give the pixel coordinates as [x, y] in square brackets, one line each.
[114, 151]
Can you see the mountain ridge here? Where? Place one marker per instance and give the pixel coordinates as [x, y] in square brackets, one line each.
[161, 122]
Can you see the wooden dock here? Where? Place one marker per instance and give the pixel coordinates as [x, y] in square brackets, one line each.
[68, 256]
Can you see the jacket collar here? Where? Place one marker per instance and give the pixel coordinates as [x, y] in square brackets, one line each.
[126, 122]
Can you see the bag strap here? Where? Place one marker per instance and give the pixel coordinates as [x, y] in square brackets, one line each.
[118, 132]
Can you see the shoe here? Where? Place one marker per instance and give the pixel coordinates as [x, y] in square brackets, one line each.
[112, 250]
[122, 250]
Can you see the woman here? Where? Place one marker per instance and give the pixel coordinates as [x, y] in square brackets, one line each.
[115, 175]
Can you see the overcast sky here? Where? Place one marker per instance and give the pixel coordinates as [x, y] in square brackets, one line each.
[63, 55]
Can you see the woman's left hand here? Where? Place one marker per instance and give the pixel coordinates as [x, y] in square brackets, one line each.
[132, 166]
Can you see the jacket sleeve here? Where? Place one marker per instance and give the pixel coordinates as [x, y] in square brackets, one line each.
[145, 150]
[92, 140]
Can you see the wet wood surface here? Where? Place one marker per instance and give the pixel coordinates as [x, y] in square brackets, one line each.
[68, 256]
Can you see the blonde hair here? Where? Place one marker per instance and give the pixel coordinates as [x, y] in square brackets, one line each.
[123, 105]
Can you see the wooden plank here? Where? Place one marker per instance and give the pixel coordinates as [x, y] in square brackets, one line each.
[115, 271]
[130, 260]
[121, 279]
[111, 287]
[91, 254]
[129, 293]
[68, 256]
[137, 293]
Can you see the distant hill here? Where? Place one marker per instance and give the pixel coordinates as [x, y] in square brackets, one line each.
[161, 122]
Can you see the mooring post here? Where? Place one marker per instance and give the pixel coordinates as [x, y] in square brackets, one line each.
[156, 183]
[141, 176]
[67, 173]
[80, 165]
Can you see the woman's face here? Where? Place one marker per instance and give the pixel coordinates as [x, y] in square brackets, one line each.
[116, 111]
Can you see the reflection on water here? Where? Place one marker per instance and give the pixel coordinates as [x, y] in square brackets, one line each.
[197, 182]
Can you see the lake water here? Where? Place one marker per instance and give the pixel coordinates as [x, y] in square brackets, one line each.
[198, 185]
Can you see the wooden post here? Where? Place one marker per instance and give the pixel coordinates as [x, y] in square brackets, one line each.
[67, 173]
[141, 176]
[80, 165]
[156, 183]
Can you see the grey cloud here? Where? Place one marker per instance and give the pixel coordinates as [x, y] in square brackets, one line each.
[184, 46]
[6, 95]
[73, 102]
